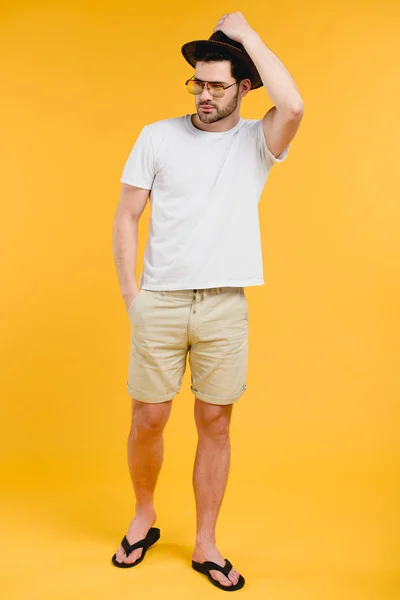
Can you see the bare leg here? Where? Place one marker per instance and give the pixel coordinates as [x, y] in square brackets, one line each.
[145, 457]
[210, 478]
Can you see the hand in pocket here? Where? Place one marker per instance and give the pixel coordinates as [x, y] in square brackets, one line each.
[129, 300]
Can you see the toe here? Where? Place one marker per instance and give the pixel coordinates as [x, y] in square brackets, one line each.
[120, 555]
[234, 576]
[133, 557]
[220, 577]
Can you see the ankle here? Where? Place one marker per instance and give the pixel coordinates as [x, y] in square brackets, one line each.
[145, 511]
[203, 540]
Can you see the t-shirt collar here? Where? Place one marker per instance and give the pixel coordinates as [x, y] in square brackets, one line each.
[213, 134]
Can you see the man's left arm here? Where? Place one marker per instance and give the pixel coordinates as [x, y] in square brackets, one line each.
[282, 121]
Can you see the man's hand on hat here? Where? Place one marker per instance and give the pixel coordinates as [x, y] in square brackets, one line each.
[235, 26]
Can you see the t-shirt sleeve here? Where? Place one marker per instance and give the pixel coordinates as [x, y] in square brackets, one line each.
[139, 169]
[266, 155]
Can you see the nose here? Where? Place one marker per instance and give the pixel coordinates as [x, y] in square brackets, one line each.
[205, 94]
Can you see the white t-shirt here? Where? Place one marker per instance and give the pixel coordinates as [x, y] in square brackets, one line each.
[205, 188]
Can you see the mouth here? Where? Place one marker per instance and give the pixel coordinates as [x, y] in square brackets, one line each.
[207, 108]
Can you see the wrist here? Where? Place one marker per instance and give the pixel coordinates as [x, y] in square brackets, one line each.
[127, 293]
[249, 38]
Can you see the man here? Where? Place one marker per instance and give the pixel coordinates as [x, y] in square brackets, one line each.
[205, 173]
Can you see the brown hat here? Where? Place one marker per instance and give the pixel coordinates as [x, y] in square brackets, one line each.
[220, 41]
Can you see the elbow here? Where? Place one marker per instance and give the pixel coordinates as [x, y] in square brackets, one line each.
[296, 110]
[124, 214]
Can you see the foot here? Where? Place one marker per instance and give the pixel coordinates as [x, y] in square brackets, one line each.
[137, 531]
[204, 552]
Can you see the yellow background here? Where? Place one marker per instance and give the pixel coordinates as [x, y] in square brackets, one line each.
[311, 510]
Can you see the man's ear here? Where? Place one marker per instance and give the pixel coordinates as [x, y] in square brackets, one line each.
[245, 86]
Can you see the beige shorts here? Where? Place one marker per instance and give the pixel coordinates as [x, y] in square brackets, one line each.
[209, 324]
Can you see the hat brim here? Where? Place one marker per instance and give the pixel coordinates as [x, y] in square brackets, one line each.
[188, 51]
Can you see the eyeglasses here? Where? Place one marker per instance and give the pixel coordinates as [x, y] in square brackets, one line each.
[216, 89]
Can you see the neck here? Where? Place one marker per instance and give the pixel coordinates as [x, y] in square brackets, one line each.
[221, 125]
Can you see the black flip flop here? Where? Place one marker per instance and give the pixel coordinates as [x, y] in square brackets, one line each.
[208, 566]
[152, 536]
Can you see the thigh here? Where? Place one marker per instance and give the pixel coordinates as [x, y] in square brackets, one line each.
[219, 352]
[158, 347]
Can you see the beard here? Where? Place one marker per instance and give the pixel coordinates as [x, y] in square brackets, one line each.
[218, 113]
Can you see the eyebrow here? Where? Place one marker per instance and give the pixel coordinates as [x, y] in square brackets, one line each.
[202, 81]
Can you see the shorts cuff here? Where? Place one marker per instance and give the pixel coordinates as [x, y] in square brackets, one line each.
[220, 401]
[149, 398]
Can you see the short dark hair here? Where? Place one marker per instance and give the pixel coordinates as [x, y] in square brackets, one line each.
[239, 69]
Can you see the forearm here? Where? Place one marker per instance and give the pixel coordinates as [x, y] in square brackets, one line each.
[125, 243]
[276, 78]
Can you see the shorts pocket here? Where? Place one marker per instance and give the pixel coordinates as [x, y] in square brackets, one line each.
[134, 301]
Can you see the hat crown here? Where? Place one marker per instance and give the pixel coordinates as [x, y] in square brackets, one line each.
[220, 36]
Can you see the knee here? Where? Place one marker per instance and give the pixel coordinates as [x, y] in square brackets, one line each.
[214, 421]
[149, 420]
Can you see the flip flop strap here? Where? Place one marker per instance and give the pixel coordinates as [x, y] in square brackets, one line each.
[130, 548]
[211, 566]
